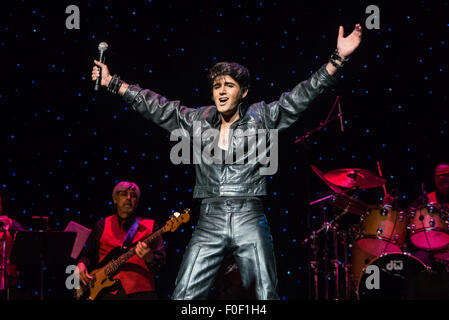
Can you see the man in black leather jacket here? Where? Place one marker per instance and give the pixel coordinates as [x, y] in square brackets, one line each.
[230, 174]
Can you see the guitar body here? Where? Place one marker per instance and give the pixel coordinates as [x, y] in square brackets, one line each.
[100, 280]
[109, 266]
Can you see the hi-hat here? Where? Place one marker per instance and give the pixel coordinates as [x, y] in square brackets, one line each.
[344, 202]
[349, 204]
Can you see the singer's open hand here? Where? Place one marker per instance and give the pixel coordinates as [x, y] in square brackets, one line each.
[105, 75]
[347, 45]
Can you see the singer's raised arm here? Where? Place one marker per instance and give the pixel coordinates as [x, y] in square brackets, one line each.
[170, 115]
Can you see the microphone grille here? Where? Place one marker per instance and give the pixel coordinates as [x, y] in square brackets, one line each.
[103, 46]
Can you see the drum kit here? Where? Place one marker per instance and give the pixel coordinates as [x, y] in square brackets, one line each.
[377, 262]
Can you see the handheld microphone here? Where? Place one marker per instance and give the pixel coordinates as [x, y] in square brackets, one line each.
[102, 47]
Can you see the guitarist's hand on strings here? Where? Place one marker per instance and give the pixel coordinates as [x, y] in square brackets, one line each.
[143, 252]
[85, 277]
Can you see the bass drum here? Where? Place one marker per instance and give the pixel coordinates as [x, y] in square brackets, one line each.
[359, 260]
[393, 276]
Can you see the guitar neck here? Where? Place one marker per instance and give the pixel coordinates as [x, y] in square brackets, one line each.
[114, 265]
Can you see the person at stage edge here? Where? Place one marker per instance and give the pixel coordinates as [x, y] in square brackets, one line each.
[232, 217]
[137, 275]
[8, 272]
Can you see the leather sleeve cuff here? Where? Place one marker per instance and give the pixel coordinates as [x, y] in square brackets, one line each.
[131, 93]
[326, 78]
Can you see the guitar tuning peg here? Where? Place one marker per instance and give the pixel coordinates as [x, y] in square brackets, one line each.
[176, 214]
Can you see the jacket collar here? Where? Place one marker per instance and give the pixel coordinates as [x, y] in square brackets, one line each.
[242, 109]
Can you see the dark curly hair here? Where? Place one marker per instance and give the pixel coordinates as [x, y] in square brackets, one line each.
[236, 71]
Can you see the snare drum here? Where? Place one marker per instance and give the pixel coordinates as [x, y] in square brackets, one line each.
[392, 276]
[382, 230]
[428, 228]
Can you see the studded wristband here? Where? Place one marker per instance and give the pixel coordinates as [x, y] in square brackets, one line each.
[336, 57]
[114, 84]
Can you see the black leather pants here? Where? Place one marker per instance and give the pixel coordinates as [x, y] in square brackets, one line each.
[230, 225]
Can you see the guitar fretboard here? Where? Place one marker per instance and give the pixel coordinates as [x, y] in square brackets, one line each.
[114, 265]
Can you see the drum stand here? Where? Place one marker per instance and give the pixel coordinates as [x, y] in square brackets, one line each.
[335, 261]
[314, 264]
[348, 288]
[326, 264]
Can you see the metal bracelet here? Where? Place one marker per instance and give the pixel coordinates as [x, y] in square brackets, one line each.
[336, 56]
[335, 64]
[112, 83]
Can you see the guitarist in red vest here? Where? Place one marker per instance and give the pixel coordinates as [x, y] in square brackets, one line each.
[137, 281]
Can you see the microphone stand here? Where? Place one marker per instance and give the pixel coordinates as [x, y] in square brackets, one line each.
[304, 140]
[322, 124]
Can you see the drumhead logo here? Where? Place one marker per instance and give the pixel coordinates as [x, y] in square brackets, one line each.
[373, 280]
[396, 265]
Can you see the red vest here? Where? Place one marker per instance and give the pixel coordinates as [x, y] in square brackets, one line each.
[432, 197]
[134, 274]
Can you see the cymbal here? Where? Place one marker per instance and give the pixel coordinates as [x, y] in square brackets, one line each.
[354, 178]
[320, 174]
[348, 203]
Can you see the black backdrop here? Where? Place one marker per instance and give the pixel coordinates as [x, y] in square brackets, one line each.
[64, 146]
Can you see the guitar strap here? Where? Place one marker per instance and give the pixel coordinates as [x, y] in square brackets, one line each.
[130, 234]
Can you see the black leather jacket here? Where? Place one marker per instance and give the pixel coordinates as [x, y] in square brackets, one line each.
[242, 177]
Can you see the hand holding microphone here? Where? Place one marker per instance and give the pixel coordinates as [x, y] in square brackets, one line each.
[101, 75]
[105, 75]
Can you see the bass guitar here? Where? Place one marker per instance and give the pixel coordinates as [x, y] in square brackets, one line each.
[102, 276]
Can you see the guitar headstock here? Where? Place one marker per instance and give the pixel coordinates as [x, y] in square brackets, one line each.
[176, 220]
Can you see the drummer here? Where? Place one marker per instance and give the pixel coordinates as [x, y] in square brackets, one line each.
[439, 197]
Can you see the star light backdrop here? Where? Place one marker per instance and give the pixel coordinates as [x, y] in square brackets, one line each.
[64, 146]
